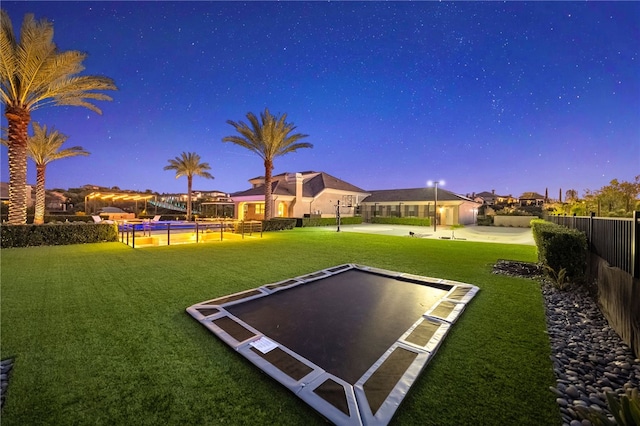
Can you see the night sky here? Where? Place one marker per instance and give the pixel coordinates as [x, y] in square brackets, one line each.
[516, 96]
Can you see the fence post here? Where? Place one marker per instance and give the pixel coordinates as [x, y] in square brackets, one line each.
[635, 245]
[591, 216]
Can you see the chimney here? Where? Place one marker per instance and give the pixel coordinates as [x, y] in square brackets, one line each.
[493, 191]
[299, 180]
[297, 202]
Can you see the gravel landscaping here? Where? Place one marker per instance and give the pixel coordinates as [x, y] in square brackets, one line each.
[589, 358]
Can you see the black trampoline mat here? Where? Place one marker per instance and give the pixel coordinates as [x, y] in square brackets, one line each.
[343, 323]
[349, 340]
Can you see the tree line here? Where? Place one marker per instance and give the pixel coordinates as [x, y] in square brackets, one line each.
[617, 199]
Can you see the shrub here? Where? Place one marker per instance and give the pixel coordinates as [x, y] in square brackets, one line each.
[484, 221]
[413, 221]
[51, 234]
[278, 224]
[327, 221]
[561, 248]
[559, 278]
[624, 408]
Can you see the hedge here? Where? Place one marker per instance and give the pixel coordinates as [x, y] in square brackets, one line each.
[278, 224]
[328, 221]
[57, 218]
[413, 221]
[560, 247]
[51, 234]
[484, 221]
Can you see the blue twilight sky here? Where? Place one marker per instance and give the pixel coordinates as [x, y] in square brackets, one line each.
[515, 96]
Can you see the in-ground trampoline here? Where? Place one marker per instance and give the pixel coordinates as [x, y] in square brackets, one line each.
[348, 340]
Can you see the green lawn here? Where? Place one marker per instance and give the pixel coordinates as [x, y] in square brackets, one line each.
[100, 334]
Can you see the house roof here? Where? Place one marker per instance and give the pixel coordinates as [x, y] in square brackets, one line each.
[313, 183]
[531, 196]
[412, 194]
[323, 181]
[487, 194]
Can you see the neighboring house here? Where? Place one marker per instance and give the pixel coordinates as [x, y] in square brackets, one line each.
[453, 209]
[4, 194]
[532, 199]
[213, 203]
[492, 199]
[55, 201]
[298, 195]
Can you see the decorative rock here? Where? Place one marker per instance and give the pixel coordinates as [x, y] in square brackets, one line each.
[572, 391]
[588, 356]
[589, 359]
[5, 368]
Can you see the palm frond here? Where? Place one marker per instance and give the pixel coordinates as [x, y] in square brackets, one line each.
[4, 136]
[75, 91]
[188, 164]
[35, 47]
[73, 151]
[58, 66]
[8, 65]
[269, 136]
[44, 146]
[293, 147]
[33, 71]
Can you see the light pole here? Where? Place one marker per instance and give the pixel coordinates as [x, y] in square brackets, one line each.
[435, 198]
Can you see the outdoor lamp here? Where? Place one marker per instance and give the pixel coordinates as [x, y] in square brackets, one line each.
[435, 205]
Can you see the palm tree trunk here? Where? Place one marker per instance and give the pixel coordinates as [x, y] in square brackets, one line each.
[18, 120]
[40, 195]
[268, 198]
[189, 183]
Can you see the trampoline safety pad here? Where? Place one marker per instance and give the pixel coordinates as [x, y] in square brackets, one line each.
[348, 340]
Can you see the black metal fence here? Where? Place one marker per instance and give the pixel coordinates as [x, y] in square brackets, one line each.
[616, 240]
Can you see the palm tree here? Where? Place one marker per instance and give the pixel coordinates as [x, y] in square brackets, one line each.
[269, 138]
[33, 74]
[189, 165]
[44, 147]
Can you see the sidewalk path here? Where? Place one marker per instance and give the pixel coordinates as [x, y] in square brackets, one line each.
[487, 234]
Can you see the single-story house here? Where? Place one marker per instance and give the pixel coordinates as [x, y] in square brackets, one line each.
[299, 194]
[452, 208]
[318, 193]
[532, 199]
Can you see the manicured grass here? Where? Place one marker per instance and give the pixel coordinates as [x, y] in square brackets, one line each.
[100, 334]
